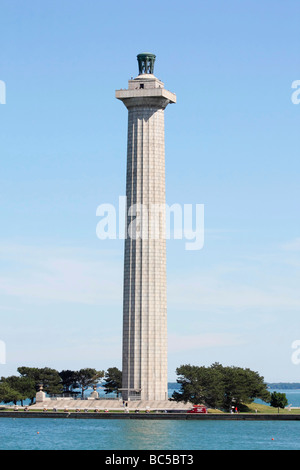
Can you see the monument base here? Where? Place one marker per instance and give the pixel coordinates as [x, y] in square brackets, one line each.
[112, 405]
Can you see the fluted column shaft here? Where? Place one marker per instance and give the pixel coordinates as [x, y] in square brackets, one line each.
[145, 305]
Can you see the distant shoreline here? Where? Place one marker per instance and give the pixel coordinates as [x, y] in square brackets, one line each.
[270, 385]
[284, 386]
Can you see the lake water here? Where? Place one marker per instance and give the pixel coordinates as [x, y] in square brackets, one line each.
[83, 434]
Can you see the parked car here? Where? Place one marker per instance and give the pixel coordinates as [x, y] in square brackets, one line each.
[198, 409]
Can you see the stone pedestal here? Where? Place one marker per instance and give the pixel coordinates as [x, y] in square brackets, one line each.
[40, 396]
[94, 394]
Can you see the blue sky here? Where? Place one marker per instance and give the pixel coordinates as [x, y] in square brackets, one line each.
[232, 144]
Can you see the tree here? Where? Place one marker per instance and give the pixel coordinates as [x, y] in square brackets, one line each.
[23, 387]
[200, 385]
[219, 387]
[192, 380]
[113, 380]
[69, 380]
[47, 377]
[8, 394]
[242, 386]
[214, 386]
[278, 400]
[88, 377]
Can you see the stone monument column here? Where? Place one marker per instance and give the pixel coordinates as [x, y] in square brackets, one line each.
[144, 368]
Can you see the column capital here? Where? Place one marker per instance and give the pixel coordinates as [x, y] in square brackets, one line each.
[154, 97]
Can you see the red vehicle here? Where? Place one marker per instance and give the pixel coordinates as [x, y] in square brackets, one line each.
[198, 409]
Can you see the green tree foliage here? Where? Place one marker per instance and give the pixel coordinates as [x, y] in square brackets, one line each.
[14, 389]
[87, 378]
[19, 388]
[113, 380]
[8, 394]
[48, 378]
[278, 400]
[69, 380]
[220, 387]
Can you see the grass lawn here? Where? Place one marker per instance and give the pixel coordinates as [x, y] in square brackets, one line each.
[266, 409]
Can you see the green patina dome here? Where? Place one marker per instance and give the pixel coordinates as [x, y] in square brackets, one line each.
[146, 62]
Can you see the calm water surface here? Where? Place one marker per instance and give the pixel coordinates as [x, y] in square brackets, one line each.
[63, 434]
